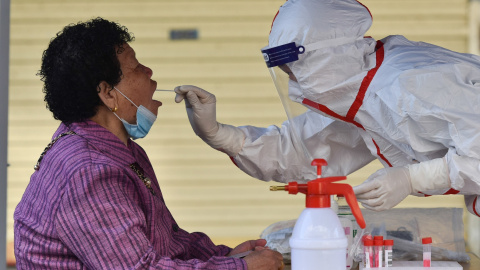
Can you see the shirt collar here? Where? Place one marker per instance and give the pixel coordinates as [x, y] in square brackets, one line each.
[103, 140]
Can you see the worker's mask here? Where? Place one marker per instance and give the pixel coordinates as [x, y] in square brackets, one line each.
[145, 120]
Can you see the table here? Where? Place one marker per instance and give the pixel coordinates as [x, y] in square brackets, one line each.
[474, 263]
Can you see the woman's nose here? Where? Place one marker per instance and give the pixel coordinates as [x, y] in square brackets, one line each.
[147, 71]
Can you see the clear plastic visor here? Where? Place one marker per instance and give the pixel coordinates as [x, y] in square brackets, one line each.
[291, 96]
[288, 90]
[278, 60]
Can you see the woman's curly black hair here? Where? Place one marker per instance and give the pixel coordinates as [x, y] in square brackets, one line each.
[80, 57]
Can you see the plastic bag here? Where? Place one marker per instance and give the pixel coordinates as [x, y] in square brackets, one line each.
[406, 226]
[277, 236]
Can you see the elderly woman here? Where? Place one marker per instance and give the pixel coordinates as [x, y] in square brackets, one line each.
[93, 201]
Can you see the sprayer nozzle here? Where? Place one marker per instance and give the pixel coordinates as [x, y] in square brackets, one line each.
[277, 188]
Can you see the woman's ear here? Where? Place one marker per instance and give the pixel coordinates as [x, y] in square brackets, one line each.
[108, 97]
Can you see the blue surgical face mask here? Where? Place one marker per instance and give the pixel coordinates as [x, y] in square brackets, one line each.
[145, 120]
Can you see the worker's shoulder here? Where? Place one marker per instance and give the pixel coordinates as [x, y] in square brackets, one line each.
[394, 41]
[400, 44]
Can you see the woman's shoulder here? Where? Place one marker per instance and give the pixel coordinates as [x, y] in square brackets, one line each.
[90, 140]
[67, 150]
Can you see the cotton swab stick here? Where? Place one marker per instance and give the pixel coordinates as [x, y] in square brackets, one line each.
[165, 90]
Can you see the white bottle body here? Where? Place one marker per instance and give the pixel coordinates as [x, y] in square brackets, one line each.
[347, 227]
[318, 241]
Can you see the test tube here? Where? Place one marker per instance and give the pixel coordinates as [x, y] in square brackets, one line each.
[378, 246]
[368, 253]
[427, 251]
[388, 245]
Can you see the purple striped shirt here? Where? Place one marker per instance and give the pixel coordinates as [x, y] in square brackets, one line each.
[85, 208]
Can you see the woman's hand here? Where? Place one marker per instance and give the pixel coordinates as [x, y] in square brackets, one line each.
[263, 258]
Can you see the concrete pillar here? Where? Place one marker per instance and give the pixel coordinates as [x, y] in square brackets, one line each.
[4, 64]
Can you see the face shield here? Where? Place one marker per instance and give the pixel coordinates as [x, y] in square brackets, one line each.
[278, 60]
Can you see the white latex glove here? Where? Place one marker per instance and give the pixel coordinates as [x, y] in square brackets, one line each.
[389, 186]
[201, 111]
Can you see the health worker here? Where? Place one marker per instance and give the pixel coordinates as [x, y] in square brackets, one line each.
[351, 99]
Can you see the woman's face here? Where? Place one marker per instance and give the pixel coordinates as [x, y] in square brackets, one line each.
[136, 84]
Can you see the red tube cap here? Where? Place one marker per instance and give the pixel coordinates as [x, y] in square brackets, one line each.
[388, 242]
[368, 242]
[378, 237]
[426, 240]
[378, 242]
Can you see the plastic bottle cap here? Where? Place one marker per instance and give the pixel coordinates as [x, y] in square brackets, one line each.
[368, 242]
[378, 237]
[318, 192]
[378, 242]
[426, 240]
[388, 242]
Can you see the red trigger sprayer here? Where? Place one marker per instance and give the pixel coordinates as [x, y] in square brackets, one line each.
[318, 240]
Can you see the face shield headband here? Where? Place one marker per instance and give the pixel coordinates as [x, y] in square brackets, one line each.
[282, 54]
[277, 60]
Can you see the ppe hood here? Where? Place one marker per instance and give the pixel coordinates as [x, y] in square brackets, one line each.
[317, 51]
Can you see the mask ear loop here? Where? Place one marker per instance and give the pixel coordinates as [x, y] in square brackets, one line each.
[125, 97]
[115, 109]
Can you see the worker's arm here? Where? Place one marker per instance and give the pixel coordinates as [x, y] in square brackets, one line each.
[452, 174]
[387, 187]
[473, 204]
[274, 153]
[464, 174]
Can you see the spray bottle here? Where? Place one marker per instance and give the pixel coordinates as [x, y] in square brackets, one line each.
[318, 240]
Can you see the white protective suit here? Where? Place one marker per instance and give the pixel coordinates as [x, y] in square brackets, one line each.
[419, 101]
[394, 100]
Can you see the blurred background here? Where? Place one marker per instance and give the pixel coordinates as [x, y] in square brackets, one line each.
[214, 44]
